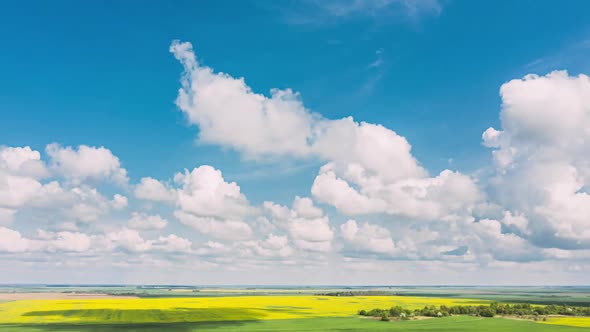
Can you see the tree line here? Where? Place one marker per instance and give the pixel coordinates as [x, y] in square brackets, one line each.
[491, 310]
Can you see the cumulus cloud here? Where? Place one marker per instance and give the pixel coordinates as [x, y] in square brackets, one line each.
[82, 203]
[229, 113]
[205, 193]
[65, 241]
[273, 246]
[212, 248]
[535, 206]
[16, 191]
[21, 174]
[223, 229]
[306, 224]
[22, 161]
[20, 171]
[172, 243]
[119, 201]
[125, 240]
[142, 221]
[13, 241]
[151, 189]
[45, 241]
[367, 237]
[370, 168]
[24, 186]
[131, 241]
[212, 206]
[304, 207]
[356, 192]
[204, 201]
[487, 239]
[364, 155]
[85, 162]
[311, 234]
[541, 156]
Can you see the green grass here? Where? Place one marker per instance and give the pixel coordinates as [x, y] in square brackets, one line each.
[451, 324]
[153, 316]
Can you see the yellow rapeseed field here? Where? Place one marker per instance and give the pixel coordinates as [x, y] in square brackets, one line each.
[161, 310]
[570, 321]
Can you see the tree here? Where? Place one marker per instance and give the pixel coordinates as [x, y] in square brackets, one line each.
[395, 311]
[487, 312]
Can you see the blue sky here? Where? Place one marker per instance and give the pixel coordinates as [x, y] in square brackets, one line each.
[102, 75]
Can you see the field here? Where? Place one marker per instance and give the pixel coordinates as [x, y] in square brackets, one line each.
[455, 324]
[203, 309]
[88, 310]
[570, 321]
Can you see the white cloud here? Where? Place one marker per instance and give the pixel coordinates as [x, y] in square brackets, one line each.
[204, 201]
[541, 155]
[20, 171]
[367, 155]
[119, 201]
[129, 240]
[278, 212]
[536, 205]
[212, 248]
[491, 138]
[142, 221]
[371, 169]
[86, 162]
[272, 246]
[303, 206]
[153, 190]
[205, 193]
[229, 113]
[372, 147]
[305, 224]
[311, 230]
[13, 241]
[224, 229]
[367, 237]
[423, 198]
[329, 188]
[22, 161]
[172, 243]
[88, 206]
[84, 204]
[212, 206]
[66, 241]
[518, 221]
[487, 238]
[16, 191]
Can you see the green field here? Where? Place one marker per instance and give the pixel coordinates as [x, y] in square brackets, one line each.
[288, 309]
[449, 324]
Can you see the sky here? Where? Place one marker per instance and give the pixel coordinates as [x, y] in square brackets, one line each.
[379, 142]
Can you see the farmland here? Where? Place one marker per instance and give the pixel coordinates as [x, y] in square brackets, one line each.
[458, 324]
[291, 309]
[241, 308]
